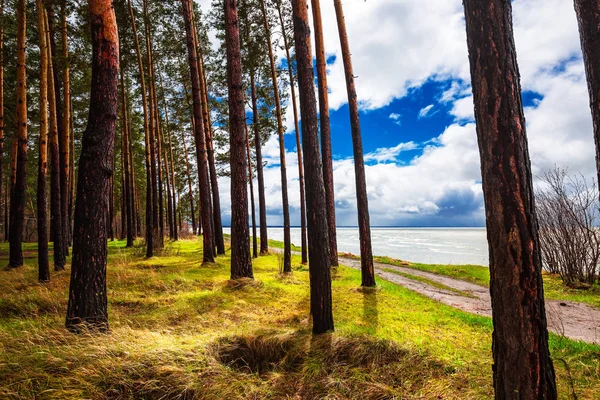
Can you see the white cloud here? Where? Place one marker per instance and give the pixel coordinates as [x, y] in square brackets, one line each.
[426, 111]
[388, 154]
[396, 118]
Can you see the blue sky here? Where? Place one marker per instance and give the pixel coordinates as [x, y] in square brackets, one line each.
[417, 113]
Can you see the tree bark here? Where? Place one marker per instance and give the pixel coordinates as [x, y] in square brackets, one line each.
[65, 138]
[588, 18]
[304, 248]
[203, 180]
[362, 200]
[17, 202]
[319, 261]
[287, 241]
[325, 130]
[147, 141]
[55, 192]
[522, 365]
[2, 116]
[252, 205]
[129, 217]
[87, 293]
[42, 217]
[241, 262]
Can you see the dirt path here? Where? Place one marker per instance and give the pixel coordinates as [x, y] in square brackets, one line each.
[573, 320]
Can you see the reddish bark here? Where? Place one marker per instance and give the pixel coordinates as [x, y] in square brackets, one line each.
[362, 200]
[252, 205]
[522, 365]
[87, 294]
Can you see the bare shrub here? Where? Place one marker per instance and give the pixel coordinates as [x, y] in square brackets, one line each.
[567, 210]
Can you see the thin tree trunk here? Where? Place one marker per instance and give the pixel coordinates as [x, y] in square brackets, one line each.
[325, 130]
[64, 144]
[17, 203]
[152, 124]
[175, 202]
[2, 114]
[71, 170]
[129, 218]
[262, 202]
[147, 141]
[588, 17]
[362, 200]
[13, 179]
[303, 233]
[522, 364]
[87, 293]
[203, 179]
[319, 263]
[42, 217]
[287, 244]
[187, 163]
[252, 205]
[241, 262]
[55, 203]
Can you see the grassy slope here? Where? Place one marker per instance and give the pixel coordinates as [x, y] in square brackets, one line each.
[174, 323]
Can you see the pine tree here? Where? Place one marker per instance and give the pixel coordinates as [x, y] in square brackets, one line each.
[319, 262]
[522, 365]
[87, 293]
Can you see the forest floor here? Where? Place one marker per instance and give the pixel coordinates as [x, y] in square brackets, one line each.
[183, 330]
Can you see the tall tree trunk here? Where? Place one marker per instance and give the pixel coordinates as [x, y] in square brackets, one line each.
[17, 202]
[60, 124]
[65, 139]
[319, 262]
[325, 130]
[2, 113]
[522, 365]
[174, 185]
[55, 203]
[214, 181]
[588, 17]
[129, 217]
[71, 171]
[241, 262]
[303, 234]
[13, 179]
[203, 180]
[87, 293]
[362, 200]
[252, 205]
[42, 217]
[147, 141]
[152, 126]
[189, 179]
[262, 202]
[287, 241]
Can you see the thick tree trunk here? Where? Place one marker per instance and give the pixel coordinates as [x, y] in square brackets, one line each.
[55, 203]
[42, 217]
[588, 17]
[362, 201]
[304, 248]
[241, 262]
[325, 130]
[203, 179]
[252, 205]
[147, 141]
[522, 365]
[319, 261]
[262, 202]
[287, 240]
[87, 295]
[17, 202]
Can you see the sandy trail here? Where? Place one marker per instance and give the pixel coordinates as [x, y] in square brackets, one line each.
[573, 320]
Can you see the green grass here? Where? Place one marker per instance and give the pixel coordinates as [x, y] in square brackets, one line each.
[180, 329]
[554, 289]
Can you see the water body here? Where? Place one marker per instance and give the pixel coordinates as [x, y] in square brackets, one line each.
[422, 245]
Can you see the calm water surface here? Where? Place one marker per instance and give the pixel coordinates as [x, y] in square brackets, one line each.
[422, 245]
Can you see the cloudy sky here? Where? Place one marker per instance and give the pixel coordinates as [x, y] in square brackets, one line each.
[419, 138]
